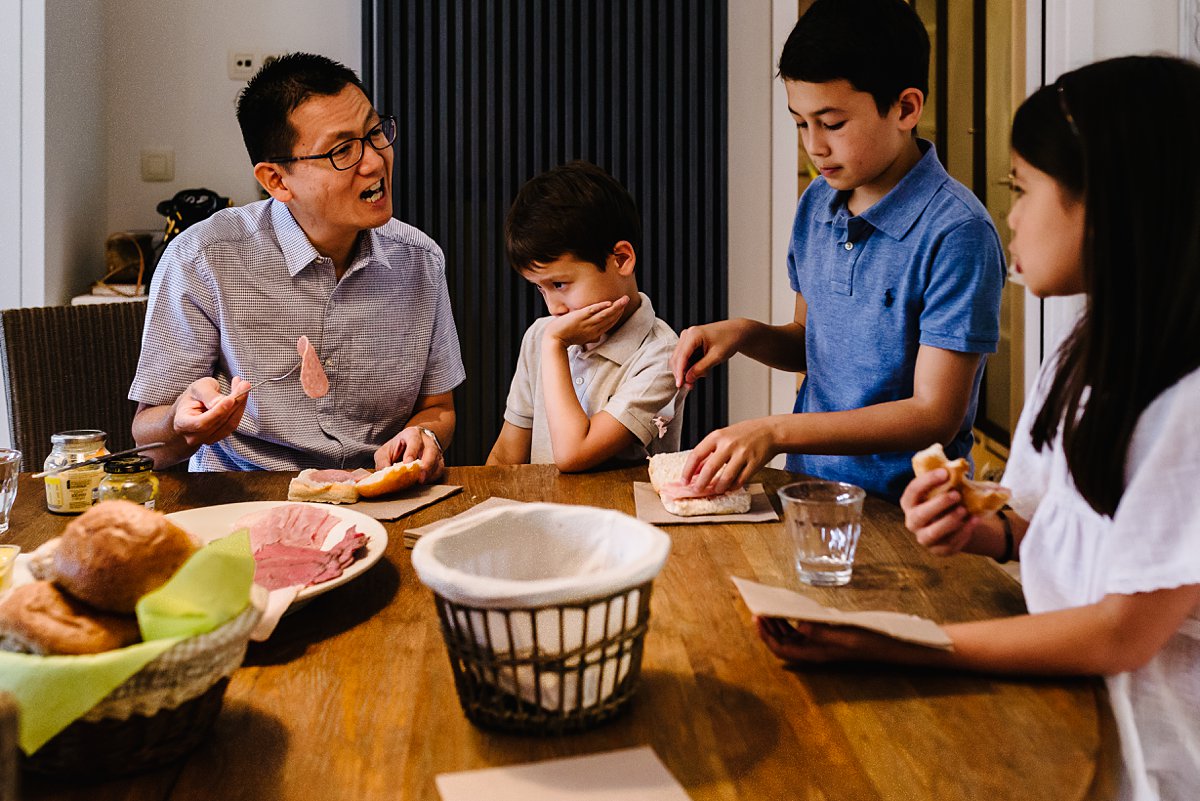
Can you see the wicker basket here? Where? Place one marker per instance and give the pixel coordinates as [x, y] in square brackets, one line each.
[544, 688]
[544, 610]
[159, 714]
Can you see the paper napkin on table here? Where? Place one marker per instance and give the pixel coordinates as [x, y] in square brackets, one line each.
[765, 601]
[413, 534]
[52, 691]
[651, 510]
[418, 498]
[631, 774]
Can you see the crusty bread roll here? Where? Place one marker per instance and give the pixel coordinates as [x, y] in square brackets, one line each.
[305, 488]
[116, 552]
[979, 497]
[667, 468]
[38, 618]
[390, 479]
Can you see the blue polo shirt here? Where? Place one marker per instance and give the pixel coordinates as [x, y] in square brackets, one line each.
[923, 266]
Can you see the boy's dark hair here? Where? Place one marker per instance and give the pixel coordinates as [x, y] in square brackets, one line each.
[1140, 329]
[276, 90]
[879, 46]
[576, 209]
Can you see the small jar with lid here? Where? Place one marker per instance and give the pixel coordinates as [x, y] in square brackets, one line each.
[73, 492]
[129, 478]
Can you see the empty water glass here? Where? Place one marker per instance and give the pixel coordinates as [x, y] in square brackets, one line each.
[10, 467]
[824, 519]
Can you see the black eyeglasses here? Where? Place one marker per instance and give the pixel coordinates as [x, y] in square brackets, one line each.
[345, 155]
[1066, 110]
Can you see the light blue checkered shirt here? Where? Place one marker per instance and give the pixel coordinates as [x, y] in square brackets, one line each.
[233, 293]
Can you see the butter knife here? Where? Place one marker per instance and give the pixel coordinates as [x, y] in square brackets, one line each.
[99, 459]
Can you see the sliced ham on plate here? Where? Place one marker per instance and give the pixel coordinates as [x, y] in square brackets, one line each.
[286, 542]
[678, 490]
[278, 565]
[313, 380]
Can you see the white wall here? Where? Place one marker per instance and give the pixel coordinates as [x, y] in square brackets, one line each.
[74, 169]
[168, 87]
[1079, 32]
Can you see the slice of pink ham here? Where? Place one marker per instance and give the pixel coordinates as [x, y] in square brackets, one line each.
[313, 380]
[298, 524]
[279, 565]
[677, 490]
[337, 476]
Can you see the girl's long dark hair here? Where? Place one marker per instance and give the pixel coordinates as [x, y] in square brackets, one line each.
[1123, 135]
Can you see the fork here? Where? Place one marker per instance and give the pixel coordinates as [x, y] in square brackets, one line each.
[258, 384]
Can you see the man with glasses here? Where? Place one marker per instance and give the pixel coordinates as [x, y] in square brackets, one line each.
[322, 258]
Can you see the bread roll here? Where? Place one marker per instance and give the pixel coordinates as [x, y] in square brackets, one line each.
[979, 497]
[310, 486]
[667, 468]
[116, 552]
[38, 618]
[390, 479]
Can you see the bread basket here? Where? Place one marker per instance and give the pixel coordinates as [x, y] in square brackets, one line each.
[544, 610]
[157, 715]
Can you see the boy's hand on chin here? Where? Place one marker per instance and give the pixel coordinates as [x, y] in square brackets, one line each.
[586, 325]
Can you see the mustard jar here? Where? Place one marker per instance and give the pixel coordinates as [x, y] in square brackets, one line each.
[129, 478]
[73, 492]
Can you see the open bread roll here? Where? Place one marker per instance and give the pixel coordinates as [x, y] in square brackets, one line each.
[979, 497]
[324, 486]
[390, 479]
[116, 552]
[666, 470]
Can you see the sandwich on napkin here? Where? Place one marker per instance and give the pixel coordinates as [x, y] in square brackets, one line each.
[347, 486]
[979, 497]
[687, 500]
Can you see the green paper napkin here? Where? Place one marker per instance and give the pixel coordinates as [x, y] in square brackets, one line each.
[212, 587]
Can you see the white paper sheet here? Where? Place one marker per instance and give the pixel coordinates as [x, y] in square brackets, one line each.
[631, 774]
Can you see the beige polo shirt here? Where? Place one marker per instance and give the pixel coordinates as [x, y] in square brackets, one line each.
[626, 375]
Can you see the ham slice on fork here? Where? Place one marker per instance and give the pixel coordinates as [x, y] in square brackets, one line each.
[312, 376]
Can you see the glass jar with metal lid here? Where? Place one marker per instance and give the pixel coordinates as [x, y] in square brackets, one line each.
[74, 491]
[129, 478]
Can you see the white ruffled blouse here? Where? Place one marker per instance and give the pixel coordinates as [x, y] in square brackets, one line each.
[1072, 556]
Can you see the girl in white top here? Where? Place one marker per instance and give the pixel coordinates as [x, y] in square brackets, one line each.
[1105, 462]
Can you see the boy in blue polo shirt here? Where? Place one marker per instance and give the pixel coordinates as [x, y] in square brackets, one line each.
[896, 266]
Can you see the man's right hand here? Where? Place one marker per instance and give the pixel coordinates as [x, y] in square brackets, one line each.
[716, 342]
[203, 416]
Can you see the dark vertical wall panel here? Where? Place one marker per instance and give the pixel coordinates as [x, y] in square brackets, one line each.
[490, 93]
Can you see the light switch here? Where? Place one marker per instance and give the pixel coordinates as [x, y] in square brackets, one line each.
[158, 165]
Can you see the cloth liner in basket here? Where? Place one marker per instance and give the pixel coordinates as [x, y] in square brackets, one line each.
[554, 592]
[142, 706]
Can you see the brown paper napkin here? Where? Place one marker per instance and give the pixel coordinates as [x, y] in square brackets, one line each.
[631, 774]
[413, 534]
[392, 508]
[765, 601]
[650, 508]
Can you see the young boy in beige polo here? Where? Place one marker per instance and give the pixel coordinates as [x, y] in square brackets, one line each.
[593, 377]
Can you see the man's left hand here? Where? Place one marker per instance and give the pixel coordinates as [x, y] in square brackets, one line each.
[412, 445]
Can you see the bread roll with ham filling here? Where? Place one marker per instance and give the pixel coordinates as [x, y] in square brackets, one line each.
[979, 497]
[341, 486]
[685, 500]
[326, 486]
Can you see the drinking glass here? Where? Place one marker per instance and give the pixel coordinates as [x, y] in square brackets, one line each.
[824, 519]
[10, 466]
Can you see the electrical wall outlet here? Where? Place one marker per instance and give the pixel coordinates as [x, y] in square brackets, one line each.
[242, 65]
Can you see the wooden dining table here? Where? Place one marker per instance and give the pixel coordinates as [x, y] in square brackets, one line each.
[352, 696]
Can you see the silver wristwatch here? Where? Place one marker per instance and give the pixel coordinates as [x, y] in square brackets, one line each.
[429, 433]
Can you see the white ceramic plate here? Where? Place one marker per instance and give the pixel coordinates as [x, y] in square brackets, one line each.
[213, 522]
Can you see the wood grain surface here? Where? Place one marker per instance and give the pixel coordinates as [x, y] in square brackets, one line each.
[353, 698]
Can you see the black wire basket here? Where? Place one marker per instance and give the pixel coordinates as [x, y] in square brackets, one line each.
[551, 669]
